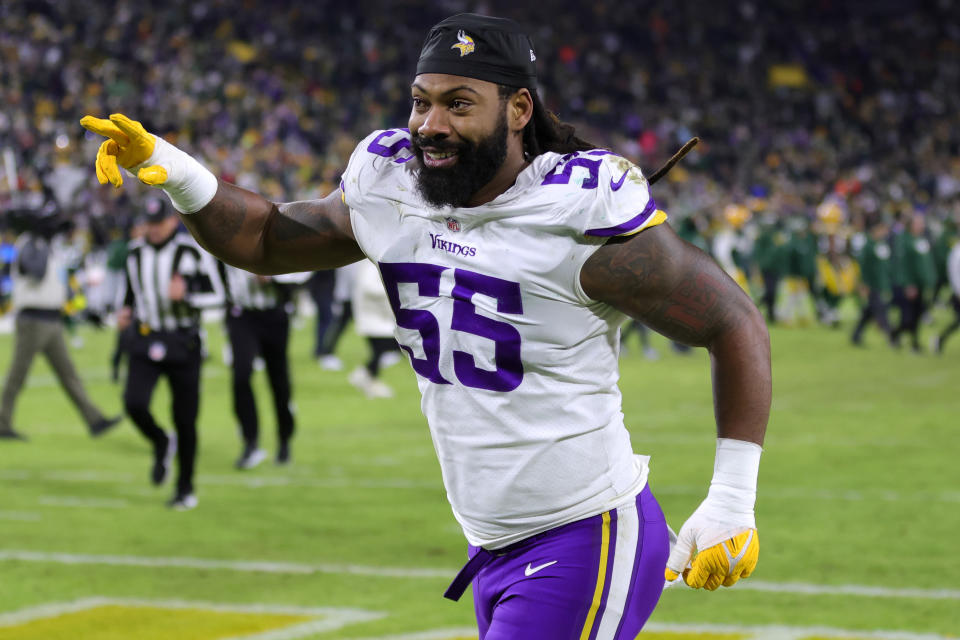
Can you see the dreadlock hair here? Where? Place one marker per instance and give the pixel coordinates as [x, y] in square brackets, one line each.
[545, 131]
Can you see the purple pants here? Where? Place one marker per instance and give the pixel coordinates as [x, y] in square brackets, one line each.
[594, 579]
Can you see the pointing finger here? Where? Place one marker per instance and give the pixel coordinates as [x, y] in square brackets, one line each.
[105, 128]
[131, 128]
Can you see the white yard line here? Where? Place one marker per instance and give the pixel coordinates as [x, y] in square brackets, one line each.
[778, 632]
[247, 480]
[253, 481]
[794, 588]
[228, 565]
[799, 588]
[25, 516]
[71, 501]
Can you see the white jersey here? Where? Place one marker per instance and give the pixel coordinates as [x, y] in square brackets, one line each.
[517, 365]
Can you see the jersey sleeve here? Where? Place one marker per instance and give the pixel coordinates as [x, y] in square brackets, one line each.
[369, 159]
[622, 204]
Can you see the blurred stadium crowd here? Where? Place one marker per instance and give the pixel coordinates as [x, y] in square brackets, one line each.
[818, 120]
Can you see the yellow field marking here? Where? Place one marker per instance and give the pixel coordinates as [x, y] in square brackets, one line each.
[99, 618]
[118, 622]
[121, 619]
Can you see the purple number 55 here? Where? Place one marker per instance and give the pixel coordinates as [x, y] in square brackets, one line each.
[506, 339]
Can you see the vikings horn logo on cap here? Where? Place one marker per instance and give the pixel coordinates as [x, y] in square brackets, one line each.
[487, 48]
[465, 43]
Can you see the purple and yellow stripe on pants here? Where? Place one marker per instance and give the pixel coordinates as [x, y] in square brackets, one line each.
[594, 579]
[608, 527]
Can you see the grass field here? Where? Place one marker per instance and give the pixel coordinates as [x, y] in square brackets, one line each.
[858, 509]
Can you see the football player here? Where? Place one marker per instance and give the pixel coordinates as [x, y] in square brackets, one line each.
[511, 252]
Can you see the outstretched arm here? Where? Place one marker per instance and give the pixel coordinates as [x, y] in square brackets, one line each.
[248, 231]
[681, 292]
[236, 225]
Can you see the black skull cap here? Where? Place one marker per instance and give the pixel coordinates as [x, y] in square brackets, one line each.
[482, 47]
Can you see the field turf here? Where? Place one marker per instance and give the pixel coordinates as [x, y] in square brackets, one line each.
[858, 508]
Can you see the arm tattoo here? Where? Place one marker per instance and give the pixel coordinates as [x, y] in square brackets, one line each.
[692, 302]
[295, 220]
[248, 231]
[665, 283]
[679, 291]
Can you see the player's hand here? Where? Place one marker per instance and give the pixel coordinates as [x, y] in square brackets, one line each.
[128, 145]
[722, 541]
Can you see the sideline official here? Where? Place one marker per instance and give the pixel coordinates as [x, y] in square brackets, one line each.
[258, 323]
[169, 280]
[39, 293]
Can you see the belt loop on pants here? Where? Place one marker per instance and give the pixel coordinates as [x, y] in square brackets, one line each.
[467, 574]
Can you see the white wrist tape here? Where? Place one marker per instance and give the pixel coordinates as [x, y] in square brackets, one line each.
[189, 184]
[735, 471]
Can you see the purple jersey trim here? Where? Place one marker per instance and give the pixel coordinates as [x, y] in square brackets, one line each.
[629, 225]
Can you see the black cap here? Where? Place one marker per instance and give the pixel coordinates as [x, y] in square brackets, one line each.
[156, 209]
[474, 46]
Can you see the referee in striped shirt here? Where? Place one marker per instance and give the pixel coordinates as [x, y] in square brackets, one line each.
[258, 323]
[169, 280]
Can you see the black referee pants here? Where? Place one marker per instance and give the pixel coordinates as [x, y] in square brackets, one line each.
[267, 333]
[183, 377]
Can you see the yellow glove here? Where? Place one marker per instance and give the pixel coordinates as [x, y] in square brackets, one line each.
[153, 160]
[722, 564]
[721, 535]
[128, 146]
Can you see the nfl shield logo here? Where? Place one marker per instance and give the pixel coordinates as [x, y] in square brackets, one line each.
[453, 225]
[157, 351]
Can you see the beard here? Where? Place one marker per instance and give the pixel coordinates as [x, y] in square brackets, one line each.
[477, 163]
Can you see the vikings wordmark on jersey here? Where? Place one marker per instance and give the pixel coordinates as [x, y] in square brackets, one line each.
[517, 366]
